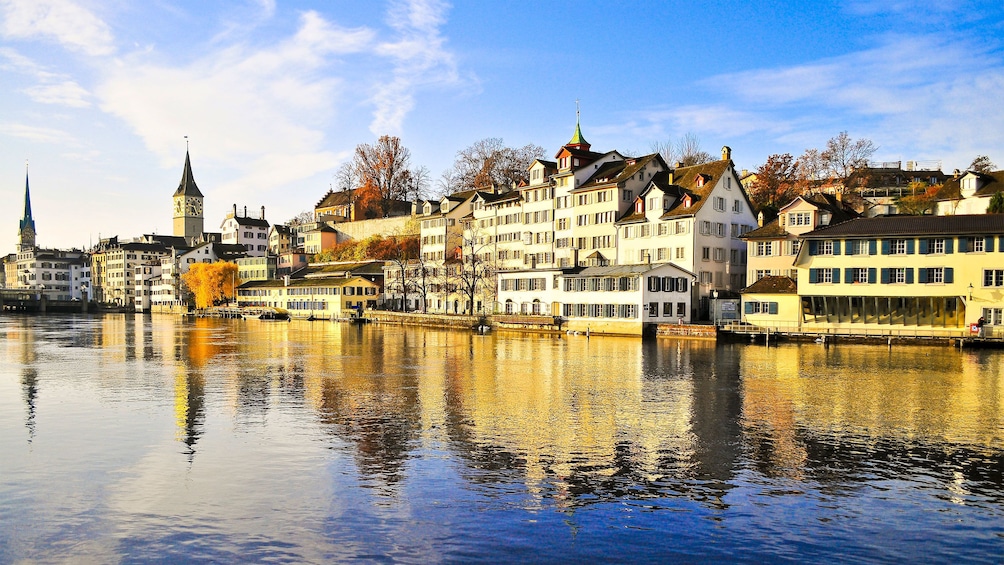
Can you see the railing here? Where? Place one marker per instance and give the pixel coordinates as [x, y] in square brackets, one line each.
[794, 328]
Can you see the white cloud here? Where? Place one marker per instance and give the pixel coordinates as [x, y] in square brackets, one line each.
[66, 93]
[38, 134]
[64, 21]
[420, 59]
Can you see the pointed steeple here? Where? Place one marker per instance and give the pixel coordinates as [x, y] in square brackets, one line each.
[577, 140]
[187, 186]
[26, 219]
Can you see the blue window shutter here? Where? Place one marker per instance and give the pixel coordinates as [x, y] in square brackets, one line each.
[812, 276]
[885, 247]
[909, 275]
[948, 244]
[1000, 243]
[814, 247]
[988, 244]
[909, 247]
[871, 275]
[922, 275]
[924, 246]
[963, 245]
[885, 275]
[872, 247]
[949, 275]
[772, 307]
[836, 247]
[748, 307]
[848, 274]
[836, 275]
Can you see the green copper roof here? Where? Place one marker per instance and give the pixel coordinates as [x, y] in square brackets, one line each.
[577, 138]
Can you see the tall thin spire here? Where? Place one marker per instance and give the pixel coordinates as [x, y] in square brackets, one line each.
[187, 185]
[26, 219]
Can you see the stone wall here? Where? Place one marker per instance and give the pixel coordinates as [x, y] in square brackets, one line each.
[399, 225]
[436, 320]
[687, 330]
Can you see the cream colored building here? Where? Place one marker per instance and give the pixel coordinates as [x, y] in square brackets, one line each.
[317, 298]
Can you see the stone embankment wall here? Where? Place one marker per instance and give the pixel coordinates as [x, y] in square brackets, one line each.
[687, 330]
[436, 320]
[366, 228]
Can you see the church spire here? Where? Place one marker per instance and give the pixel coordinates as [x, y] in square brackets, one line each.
[577, 140]
[26, 233]
[187, 186]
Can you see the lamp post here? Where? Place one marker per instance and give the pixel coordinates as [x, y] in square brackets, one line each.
[714, 306]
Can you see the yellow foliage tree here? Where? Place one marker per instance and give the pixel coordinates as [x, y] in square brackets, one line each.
[211, 283]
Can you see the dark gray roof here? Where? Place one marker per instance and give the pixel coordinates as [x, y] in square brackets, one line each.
[772, 285]
[187, 186]
[981, 224]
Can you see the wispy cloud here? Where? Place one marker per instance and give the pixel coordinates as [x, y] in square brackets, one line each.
[37, 134]
[64, 21]
[420, 59]
[66, 93]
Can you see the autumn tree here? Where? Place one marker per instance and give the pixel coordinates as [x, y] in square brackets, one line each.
[844, 155]
[686, 150]
[211, 283]
[490, 164]
[777, 183]
[982, 164]
[383, 171]
[921, 200]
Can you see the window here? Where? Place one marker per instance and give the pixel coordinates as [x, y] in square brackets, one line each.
[720, 254]
[764, 248]
[993, 277]
[719, 229]
[936, 275]
[737, 206]
[937, 246]
[653, 309]
[897, 275]
[563, 224]
[799, 218]
[826, 247]
[858, 275]
[857, 247]
[680, 253]
[898, 247]
[792, 247]
[719, 203]
[975, 244]
[663, 229]
[705, 254]
[705, 227]
[680, 226]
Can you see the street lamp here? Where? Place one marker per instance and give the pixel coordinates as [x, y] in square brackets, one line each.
[714, 306]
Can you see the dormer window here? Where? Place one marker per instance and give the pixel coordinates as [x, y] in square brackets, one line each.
[700, 180]
[687, 201]
[639, 206]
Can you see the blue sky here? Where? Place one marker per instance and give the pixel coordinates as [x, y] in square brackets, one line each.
[274, 96]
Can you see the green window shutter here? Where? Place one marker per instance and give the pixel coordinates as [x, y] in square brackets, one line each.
[922, 275]
[748, 307]
[988, 244]
[872, 246]
[772, 307]
[950, 240]
[885, 275]
[924, 243]
[836, 247]
[813, 277]
[909, 275]
[885, 247]
[909, 247]
[836, 275]
[871, 275]
[949, 275]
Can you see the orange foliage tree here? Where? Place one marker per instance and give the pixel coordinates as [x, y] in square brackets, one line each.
[211, 283]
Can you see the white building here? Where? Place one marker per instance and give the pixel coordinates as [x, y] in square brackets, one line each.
[252, 233]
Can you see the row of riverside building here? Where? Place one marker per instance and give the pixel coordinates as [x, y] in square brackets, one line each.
[593, 241]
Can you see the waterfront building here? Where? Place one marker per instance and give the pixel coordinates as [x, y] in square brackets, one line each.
[919, 275]
[256, 268]
[772, 247]
[244, 230]
[168, 288]
[290, 262]
[314, 297]
[280, 239]
[618, 299]
[773, 302]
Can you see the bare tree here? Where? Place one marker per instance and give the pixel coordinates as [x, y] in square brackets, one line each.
[421, 179]
[476, 272]
[304, 217]
[345, 177]
[982, 164]
[843, 155]
[490, 164]
[686, 150]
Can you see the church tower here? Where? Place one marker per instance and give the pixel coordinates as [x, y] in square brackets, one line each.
[26, 234]
[188, 219]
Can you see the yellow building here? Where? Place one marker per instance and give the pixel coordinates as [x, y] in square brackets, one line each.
[325, 297]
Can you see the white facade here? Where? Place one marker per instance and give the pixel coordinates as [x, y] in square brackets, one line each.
[252, 233]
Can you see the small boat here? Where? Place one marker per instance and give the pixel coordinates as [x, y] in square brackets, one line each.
[275, 315]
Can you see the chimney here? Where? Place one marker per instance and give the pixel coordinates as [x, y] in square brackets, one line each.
[726, 153]
[670, 179]
[759, 219]
[245, 211]
[678, 165]
[263, 212]
[235, 209]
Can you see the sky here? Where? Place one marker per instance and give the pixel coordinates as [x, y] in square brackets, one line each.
[97, 97]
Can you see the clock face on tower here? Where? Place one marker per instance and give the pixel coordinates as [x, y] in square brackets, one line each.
[194, 207]
[179, 206]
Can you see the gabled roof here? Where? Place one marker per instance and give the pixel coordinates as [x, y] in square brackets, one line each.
[772, 285]
[660, 181]
[187, 186]
[332, 198]
[770, 230]
[990, 184]
[686, 179]
[619, 171]
[913, 226]
[281, 229]
[247, 221]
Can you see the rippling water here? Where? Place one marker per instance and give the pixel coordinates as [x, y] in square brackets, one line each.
[132, 439]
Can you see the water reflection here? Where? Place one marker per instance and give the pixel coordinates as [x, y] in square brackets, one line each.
[513, 422]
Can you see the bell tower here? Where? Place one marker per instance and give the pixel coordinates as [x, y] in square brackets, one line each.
[187, 200]
[26, 233]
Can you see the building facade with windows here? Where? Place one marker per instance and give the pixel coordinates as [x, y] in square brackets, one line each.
[250, 232]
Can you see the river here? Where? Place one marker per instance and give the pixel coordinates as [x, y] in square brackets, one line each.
[136, 439]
